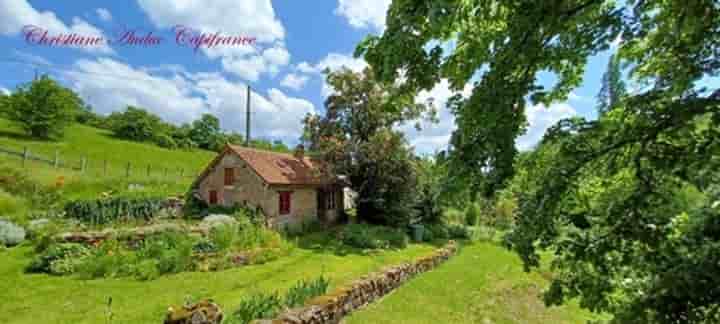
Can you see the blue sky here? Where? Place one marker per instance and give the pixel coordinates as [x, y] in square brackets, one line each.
[295, 41]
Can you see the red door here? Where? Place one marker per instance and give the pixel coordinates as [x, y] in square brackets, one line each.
[213, 197]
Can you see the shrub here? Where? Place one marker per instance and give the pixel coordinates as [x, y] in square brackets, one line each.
[456, 231]
[365, 236]
[103, 211]
[171, 250]
[10, 204]
[205, 246]
[257, 306]
[435, 231]
[43, 262]
[11, 234]
[302, 291]
[472, 214]
[147, 270]
[164, 140]
[222, 237]
[453, 215]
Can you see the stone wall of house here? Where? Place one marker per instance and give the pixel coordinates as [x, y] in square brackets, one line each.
[331, 308]
[247, 188]
[303, 206]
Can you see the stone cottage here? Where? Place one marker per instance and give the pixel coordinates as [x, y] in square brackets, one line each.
[288, 188]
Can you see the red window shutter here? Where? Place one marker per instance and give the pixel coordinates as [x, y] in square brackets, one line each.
[229, 176]
[213, 197]
[284, 202]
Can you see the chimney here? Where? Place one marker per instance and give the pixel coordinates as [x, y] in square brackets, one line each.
[299, 151]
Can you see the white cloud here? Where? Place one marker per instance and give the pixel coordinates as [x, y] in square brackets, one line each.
[4, 91]
[276, 116]
[332, 62]
[251, 18]
[335, 61]
[434, 136]
[294, 81]
[103, 14]
[179, 97]
[109, 85]
[540, 119]
[305, 67]
[364, 13]
[16, 14]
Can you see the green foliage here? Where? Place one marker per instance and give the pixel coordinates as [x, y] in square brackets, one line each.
[107, 210]
[600, 194]
[267, 306]
[56, 253]
[613, 87]
[43, 108]
[135, 124]
[472, 214]
[159, 254]
[16, 182]
[430, 187]
[304, 290]
[166, 141]
[171, 250]
[206, 133]
[357, 139]
[365, 236]
[223, 236]
[256, 307]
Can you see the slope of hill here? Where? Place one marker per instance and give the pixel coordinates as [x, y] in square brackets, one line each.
[106, 161]
[98, 145]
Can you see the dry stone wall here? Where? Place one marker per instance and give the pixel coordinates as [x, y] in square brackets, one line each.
[331, 308]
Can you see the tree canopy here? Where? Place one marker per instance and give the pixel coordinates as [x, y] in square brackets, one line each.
[627, 203]
[43, 108]
[356, 136]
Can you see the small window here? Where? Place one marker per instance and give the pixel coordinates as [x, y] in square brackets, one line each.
[331, 200]
[229, 176]
[284, 202]
[213, 197]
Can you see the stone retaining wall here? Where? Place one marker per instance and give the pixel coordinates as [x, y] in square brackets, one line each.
[331, 308]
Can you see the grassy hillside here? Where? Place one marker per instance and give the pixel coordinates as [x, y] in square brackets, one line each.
[98, 145]
[484, 283]
[101, 149]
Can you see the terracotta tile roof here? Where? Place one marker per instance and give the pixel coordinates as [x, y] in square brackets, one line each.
[282, 168]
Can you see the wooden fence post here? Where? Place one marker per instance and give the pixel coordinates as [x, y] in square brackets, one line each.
[166, 172]
[83, 164]
[26, 154]
[127, 170]
[56, 161]
[105, 167]
[182, 172]
[148, 170]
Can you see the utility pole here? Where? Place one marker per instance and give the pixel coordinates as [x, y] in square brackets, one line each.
[247, 119]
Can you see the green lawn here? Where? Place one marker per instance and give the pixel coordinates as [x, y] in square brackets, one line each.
[482, 284]
[37, 298]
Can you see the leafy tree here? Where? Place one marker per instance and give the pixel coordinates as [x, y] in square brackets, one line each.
[206, 133]
[602, 195]
[613, 87]
[357, 139]
[135, 124]
[430, 176]
[43, 108]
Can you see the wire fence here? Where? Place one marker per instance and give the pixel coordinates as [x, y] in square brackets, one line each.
[103, 167]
